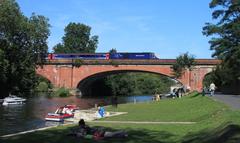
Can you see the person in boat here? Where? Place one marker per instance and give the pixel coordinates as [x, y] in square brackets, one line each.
[66, 110]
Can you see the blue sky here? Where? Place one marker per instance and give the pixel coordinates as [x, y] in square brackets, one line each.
[167, 28]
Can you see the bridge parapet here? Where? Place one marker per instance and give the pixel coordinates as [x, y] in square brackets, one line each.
[130, 62]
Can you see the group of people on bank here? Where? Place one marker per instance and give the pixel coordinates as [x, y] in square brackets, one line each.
[179, 91]
[211, 89]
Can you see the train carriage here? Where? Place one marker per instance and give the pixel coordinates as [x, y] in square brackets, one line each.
[79, 56]
[104, 56]
[133, 56]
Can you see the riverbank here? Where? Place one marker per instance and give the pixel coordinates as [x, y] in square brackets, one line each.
[214, 122]
[31, 115]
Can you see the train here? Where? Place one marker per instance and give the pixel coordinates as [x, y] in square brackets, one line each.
[103, 56]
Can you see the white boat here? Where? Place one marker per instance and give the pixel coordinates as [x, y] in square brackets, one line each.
[13, 100]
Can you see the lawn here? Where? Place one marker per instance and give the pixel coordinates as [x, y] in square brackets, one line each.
[215, 122]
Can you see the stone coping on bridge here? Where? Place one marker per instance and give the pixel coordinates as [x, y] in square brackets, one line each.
[129, 62]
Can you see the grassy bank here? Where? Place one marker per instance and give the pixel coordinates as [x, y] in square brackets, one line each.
[215, 123]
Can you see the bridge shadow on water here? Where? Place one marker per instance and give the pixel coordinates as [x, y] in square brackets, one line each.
[224, 134]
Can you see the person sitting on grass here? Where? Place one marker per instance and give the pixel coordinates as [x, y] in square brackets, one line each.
[96, 133]
[82, 129]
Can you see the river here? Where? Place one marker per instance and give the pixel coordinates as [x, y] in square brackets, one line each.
[17, 118]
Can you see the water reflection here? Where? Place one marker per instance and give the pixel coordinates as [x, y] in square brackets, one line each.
[16, 118]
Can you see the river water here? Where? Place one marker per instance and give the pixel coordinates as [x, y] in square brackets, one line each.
[17, 118]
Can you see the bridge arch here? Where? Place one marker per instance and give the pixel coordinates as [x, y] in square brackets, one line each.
[84, 84]
[85, 72]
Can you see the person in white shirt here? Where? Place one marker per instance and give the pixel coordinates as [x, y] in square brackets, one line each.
[212, 88]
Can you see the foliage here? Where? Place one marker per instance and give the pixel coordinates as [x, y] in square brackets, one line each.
[77, 39]
[225, 40]
[138, 84]
[23, 46]
[208, 79]
[114, 63]
[4, 64]
[214, 77]
[183, 62]
[43, 84]
[42, 87]
[61, 92]
[59, 48]
[77, 63]
[113, 51]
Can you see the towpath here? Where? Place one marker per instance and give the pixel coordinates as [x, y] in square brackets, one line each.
[231, 100]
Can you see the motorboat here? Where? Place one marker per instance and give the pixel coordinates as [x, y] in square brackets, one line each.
[13, 100]
[62, 113]
[57, 117]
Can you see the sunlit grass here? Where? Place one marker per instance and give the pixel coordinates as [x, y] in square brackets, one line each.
[214, 122]
[189, 108]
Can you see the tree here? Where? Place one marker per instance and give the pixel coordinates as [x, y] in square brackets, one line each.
[3, 66]
[137, 83]
[113, 51]
[77, 39]
[226, 38]
[59, 48]
[183, 62]
[23, 47]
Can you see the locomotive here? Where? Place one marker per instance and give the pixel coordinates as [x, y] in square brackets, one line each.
[103, 56]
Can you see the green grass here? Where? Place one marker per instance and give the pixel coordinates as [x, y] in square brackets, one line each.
[190, 108]
[215, 123]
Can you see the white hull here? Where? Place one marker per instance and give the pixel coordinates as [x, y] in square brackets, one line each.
[12, 103]
[54, 119]
[13, 100]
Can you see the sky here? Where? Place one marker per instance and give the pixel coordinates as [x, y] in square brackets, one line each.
[166, 27]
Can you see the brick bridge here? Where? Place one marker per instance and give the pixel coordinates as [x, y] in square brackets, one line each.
[61, 73]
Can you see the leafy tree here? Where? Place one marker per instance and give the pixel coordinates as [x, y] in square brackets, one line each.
[226, 38]
[59, 48]
[113, 51]
[138, 84]
[4, 64]
[183, 62]
[112, 61]
[77, 39]
[22, 47]
[213, 76]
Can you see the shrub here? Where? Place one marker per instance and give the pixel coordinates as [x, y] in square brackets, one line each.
[42, 86]
[62, 92]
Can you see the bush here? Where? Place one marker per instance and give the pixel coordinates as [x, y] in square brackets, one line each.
[42, 86]
[62, 92]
